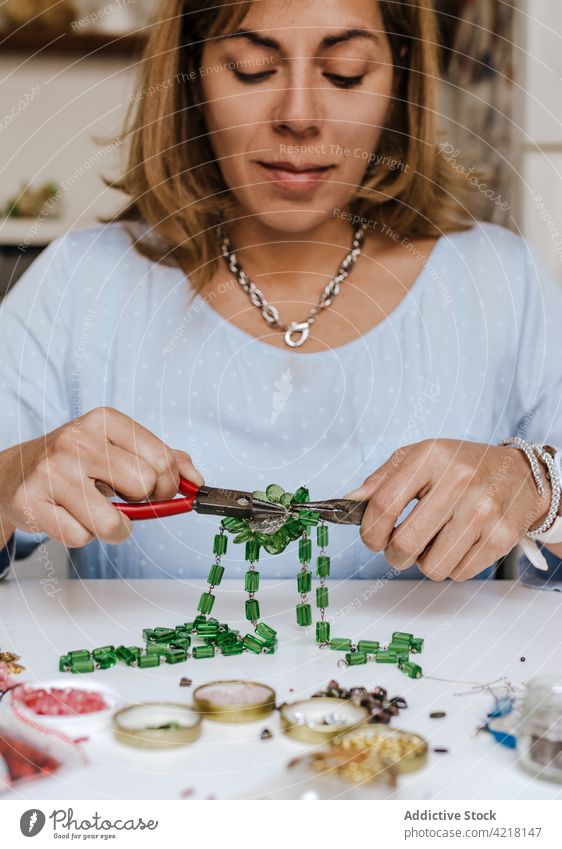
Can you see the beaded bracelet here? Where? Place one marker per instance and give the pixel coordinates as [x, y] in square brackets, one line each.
[174, 645]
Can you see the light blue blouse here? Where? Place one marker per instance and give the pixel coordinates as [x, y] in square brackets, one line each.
[473, 351]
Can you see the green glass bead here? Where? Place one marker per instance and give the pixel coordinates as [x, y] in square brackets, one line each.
[230, 649]
[180, 643]
[293, 529]
[156, 648]
[304, 614]
[265, 632]
[220, 543]
[322, 597]
[252, 609]
[82, 664]
[64, 663]
[189, 626]
[385, 656]
[215, 574]
[305, 550]
[277, 542]
[308, 518]
[323, 566]
[322, 536]
[125, 655]
[136, 651]
[244, 535]
[322, 632]
[304, 581]
[103, 650]
[412, 670]
[208, 630]
[252, 581]
[402, 635]
[79, 654]
[340, 644]
[253, 645]
[148, 634]
[206, 602]
[252, 550]
[399, 646]
[270, 648]
[106, 661]
[416, 644]
[356, 658]
[301, 495]
[260, 494]
[198, 619]
[164, 634]
[274, 492]
[176, 656]
[145, 661]
[368, 646]
[230, 523]
[200, 652]
[226, 639]
[286, 499]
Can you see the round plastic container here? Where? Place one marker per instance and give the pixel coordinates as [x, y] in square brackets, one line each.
[539, 741]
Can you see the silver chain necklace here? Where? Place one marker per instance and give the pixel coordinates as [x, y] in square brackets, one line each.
[297, 332]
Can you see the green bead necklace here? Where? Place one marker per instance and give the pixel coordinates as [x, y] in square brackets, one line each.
[174, 645]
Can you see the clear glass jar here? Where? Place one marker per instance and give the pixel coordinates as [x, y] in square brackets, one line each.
[540, 739]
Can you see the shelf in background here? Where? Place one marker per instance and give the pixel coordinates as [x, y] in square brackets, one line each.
[30, 231]
[35, 39]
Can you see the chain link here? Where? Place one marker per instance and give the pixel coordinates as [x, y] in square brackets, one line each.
[269, 312]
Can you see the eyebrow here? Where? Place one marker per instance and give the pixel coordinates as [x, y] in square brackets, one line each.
[327, 41]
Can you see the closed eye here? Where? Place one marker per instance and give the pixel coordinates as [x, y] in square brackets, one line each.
[250, 79]
[345, 82]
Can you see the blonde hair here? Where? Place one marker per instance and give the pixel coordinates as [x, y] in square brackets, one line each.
[174, 183]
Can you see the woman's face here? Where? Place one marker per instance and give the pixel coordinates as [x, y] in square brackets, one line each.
[295, 103]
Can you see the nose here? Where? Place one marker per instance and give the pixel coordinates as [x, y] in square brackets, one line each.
[298, 110]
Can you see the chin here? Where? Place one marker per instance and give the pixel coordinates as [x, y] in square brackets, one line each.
[291, 222]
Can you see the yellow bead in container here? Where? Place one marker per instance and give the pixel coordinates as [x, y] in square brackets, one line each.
[320, 719]
[234, 701]
[157, 725]
[364, 753]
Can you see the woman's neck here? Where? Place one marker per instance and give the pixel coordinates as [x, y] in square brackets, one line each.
[282, 256]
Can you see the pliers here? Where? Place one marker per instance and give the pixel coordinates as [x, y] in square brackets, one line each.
[210, 500]
[216, 501]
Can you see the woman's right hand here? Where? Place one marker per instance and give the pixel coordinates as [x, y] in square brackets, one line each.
[57, 484]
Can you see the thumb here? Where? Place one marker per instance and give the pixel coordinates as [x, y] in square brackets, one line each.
[186, 467]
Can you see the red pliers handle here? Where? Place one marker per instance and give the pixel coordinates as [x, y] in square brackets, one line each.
[161, 509]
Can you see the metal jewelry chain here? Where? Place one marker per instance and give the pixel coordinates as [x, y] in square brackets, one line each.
[297, 332]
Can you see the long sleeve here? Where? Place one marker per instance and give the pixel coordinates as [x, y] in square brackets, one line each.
[35, 320]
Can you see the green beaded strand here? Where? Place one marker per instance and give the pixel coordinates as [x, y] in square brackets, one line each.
[322, 571]
[304, 580]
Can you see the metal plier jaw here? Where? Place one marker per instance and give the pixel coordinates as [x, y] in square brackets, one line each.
[341, 511]
[214, 501]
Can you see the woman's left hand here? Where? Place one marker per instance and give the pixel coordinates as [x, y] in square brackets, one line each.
[475, 503]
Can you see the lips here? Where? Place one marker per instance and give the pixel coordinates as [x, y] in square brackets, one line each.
[301, 177]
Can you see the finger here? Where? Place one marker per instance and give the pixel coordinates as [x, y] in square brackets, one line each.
[125, 433]
[449, 547]
[186, 468]
[394, 489]
[89, 507]
[60, 525]
[122, 473]
[493, 543]
[414, 535]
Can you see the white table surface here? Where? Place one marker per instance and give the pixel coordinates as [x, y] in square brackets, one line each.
[474, 632]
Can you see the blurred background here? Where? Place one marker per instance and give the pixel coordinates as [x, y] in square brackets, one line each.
[67, 77]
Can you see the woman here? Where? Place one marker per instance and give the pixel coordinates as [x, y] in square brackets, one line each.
[133, 352]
